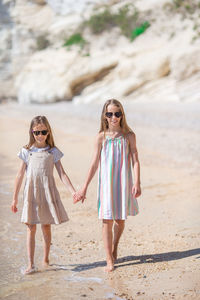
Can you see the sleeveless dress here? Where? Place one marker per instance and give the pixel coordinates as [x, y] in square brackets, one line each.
[42, 204]
[115, 198]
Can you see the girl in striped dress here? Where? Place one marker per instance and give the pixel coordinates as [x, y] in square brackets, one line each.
[115, 154]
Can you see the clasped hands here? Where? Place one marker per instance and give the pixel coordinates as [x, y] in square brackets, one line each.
[79, 196]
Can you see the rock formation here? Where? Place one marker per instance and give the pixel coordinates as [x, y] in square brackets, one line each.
[161, 64]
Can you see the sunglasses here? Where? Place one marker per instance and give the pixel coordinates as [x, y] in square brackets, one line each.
[37, 132]
[117, 114]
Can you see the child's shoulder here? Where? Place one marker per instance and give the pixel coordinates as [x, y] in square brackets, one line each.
[100, 137]
[57, 154]
[23, 154]
[54, 149]
[130, 135]
[24, 150]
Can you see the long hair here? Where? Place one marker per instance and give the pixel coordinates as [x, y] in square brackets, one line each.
[104, 123]
[36, 121]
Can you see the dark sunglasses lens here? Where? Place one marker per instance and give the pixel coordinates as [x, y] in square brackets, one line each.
[36, 133]
[109, 114]
[44, 132]
[118, 114]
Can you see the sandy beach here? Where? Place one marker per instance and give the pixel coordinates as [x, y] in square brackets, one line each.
[159, 252]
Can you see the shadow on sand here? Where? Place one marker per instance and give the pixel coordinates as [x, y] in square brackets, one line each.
[136, 260]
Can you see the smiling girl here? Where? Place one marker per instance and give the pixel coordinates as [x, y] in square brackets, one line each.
[115, 151]
[42, 204]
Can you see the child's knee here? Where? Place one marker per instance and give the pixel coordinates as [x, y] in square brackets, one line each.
[46, 227]
[31, 228]
[120, 223]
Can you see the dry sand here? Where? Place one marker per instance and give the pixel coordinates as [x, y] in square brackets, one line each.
[159, 252]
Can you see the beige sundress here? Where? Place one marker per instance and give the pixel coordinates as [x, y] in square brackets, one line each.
[42, 203]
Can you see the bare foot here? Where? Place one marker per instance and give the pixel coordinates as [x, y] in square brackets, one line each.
[109, 267]
[46, 264]
[30, 270]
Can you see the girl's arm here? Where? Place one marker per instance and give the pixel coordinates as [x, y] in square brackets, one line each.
[93, 167]
[18, 183]
[64, 178]
[136, 190]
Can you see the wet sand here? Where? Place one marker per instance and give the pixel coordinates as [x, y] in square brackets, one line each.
[159, 253]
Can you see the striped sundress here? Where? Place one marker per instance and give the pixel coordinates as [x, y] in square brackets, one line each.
[115, 198]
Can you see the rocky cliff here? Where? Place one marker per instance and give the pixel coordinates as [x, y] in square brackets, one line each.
[162, 63]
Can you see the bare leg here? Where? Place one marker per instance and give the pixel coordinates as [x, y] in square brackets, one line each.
[46, 230]
[118, 230]
[31, 230]
[107, 239]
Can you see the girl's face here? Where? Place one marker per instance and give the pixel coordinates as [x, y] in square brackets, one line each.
[40, 133]
[113, 116]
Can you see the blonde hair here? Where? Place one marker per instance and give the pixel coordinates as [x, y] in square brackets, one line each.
[104, 123]
[36, 121]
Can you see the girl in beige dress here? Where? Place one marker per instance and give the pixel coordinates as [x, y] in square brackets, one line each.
[42, 204]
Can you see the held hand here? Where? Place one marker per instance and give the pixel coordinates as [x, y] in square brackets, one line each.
[80, 196]
[14, 207]
[136, 190]
[83, 194]
[76, 197]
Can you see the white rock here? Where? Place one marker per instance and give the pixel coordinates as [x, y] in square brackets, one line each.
[135, 72]
[130, 75]
[59, 75]
[43, 79]
[61, 28]
[32, 16]
[185, 64]
[66, 7]
[188, 89]
[160, 64]
[5, 42]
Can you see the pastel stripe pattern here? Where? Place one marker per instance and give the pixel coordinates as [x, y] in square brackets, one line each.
[115, 199]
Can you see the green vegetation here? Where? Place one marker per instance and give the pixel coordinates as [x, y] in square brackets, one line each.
[100, 22]
[188, 9]
[139, 30]
[184, 7]
[187, 5]
[75, 39]
[177, 3]
[196, 29]
[127, 19]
